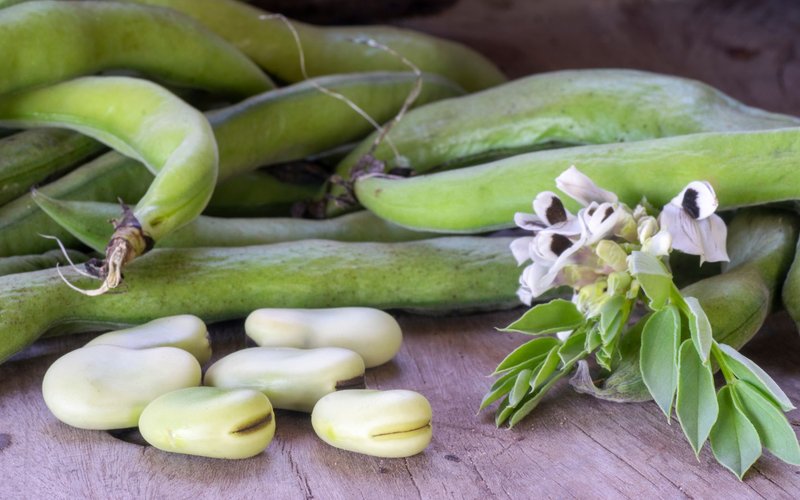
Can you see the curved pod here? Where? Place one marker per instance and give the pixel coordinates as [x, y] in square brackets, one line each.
[593, 106]
[745, 168]
[142, 121]
[55, 41]
[268, 41]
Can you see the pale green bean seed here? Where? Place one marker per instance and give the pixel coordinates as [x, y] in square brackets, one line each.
[107, 387]
[371, 333]
[209, 422]
[389, 424]
[292, 379]
[184, 331]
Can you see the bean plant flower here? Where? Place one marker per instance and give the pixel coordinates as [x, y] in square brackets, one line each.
[614, 259]
[564, 248]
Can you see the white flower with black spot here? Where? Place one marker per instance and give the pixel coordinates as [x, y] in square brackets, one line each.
[694, 227]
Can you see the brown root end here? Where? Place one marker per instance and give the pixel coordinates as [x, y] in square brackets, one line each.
[128, 242]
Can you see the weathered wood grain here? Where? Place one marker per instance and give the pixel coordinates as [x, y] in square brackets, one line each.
[573, 446]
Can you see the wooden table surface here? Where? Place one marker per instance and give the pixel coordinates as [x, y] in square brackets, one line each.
[572, 446]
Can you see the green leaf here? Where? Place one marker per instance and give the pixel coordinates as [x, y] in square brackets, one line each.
[659, 354]
[528, 406]
[545, 369]
[555, 316]
[696, 404]
[653, 276]
[573, 347]
[746, 370]
[528, 351]
[522, 385]
[699, 327]
[594, 338]
[734, 440]
[774, 430]
[612, 315]
[503, 412]
[500, 388]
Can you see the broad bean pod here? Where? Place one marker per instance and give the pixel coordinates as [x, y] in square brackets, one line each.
[790, 293]
[737, 301]
[35, 262]
[745, 168]
[55, 41]
[88, 222]
[296, 121]
[285, 115]
[575, 107]
[142, 121]
[258, 194]
[31, 156]
[268, 41]
[106, 178]
[218, 284]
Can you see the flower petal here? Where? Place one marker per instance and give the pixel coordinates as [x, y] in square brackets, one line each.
[599, 221]
[550, 209]
[563, 336]
[682, 227]
[698, 199]
[520, 248]
[705, 237]
[529, 221]
[713, 236]
[580, 188]
[659, 244]
[548, 246]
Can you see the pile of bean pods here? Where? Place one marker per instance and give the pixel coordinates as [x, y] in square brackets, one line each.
[216, 125]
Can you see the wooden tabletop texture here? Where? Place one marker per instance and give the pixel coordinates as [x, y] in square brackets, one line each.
[572, 446]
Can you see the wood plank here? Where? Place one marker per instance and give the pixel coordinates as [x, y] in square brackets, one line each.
[573, 446]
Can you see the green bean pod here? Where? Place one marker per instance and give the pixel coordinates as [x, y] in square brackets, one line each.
[31, 156]
[322, 123]
[575, 107]
[737, 302]
[258, 194]
[217, 284]
[55, 41]
[143, 121]
[268, 42]
[745, 168]
[107, 178]
[88, 221]
[297, 121]
[790, 294]
[35, 262]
